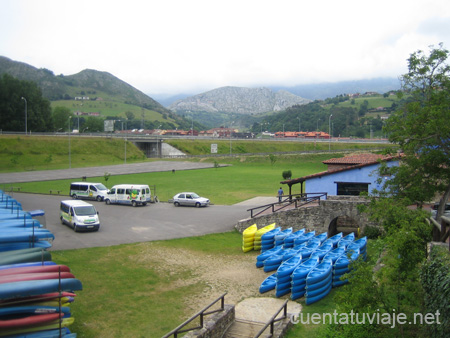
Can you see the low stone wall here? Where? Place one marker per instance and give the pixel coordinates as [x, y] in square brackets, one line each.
[215, 325]
[311, 218]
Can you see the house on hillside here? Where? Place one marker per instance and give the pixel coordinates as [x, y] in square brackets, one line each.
[349, 175]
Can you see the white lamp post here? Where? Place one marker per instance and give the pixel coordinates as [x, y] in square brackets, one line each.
[329, 131]
[26, 113]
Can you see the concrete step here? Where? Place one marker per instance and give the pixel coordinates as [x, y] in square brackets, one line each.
[244, 329]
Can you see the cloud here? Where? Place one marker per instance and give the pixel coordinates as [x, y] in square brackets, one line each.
[190, 46]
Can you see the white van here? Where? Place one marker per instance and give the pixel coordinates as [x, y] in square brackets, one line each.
[87, 190]
[134, 194]
[79, 215]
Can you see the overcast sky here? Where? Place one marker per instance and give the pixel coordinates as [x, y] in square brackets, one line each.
[192, 46]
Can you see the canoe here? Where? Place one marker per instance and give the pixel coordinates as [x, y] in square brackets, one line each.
[266, 254]
[32, 309]
[40, 299]
[250, 231]
[20, 222]
[10, 235]
[334, 254]
[304, 238]
[289, 240]
[37, 256]
[336, 238]
[320, 284]
[359, 244]
[263, 230]
[282, 289]
[56, 324]
[345, 241]
[309, 248]
[312, 299]
[302, 270]
[343, 261]
[270, 268]
[27, 264]
[269, 235]
[320, 272]
[33, 320]
[279, 238]
[268, 284]
[287, 267]
[324, 289]
[19, 252]
[324, 248]
[38, 287]
[24, 245]
[35, 276]
[322, 237]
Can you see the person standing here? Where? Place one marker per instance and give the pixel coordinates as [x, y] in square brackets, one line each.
[280, 194]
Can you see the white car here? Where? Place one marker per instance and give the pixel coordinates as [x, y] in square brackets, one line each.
[190, 199]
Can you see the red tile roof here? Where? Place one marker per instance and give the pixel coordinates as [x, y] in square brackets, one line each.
[357, 159]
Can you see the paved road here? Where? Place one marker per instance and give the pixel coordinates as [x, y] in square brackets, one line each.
[124, 224]
[78, 173]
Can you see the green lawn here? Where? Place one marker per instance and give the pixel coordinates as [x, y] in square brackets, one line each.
[245, 178]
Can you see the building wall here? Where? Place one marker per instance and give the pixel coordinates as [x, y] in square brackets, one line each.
[327, 183]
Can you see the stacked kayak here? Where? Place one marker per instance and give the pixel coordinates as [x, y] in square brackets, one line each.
[279, 238]
[35, 292]
[289, 240]
[259, 233]
[248, 237]
[319, 281]
[268, 239]
[307, 264]
[283, 274]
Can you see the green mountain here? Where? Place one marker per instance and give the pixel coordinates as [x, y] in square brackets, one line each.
[87, 81]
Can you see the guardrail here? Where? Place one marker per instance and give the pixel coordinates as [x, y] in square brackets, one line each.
[298, 200]
[274, 320]
[179, 329]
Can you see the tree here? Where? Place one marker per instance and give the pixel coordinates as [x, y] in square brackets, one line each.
[61, 118]
[421, 127]
[12, 106]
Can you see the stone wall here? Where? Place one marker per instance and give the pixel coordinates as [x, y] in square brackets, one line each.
[316, 218]
[215, 325]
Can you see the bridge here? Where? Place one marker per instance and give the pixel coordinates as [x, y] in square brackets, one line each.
[333, 215]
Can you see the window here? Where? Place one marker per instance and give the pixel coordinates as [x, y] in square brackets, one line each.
[120, 191]
[352, 189]
[93, 188]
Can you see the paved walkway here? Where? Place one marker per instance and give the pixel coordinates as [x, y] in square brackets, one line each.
[119, 169]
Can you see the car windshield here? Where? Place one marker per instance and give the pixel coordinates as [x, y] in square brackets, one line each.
[194, 195]
[85, 211]
[101, 187]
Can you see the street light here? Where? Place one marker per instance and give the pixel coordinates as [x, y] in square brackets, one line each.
[26, 113]
[70, 160]
[329, 131]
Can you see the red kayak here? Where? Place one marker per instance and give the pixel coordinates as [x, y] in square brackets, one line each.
[35, 276]
[34, 269]
[30, 320]
[46, 297]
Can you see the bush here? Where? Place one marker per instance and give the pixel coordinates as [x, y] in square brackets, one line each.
[287, 174]
[372, 232]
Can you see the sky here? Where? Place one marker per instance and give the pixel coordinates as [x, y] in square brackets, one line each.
[192, 46]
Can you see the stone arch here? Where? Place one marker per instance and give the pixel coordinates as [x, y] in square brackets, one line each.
[344, 224]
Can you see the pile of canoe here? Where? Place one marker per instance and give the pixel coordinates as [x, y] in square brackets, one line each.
[305, 264]
[35, 292]
[251, 237]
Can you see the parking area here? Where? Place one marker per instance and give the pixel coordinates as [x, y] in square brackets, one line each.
[121, 224]
[126, 224]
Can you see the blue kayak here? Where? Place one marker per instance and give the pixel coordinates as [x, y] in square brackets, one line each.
[304, 238]
[345, 259]
[26, 264]
[38, 287]
[336, 238]
[268, 284]
[302, 270]
[322, 237]
[287, 267]
[320, 272]
[334, 254]
[324, 248]
[265, 255]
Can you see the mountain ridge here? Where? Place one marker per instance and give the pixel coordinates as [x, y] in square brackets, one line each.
[238, 100]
